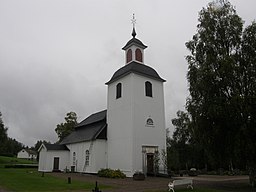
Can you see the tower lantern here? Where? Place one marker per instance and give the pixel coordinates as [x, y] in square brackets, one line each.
[134, 48]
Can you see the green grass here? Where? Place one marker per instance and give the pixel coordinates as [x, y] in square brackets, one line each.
[32, 180]
[13, 160]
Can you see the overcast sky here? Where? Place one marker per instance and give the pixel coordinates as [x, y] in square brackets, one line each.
[56, 55]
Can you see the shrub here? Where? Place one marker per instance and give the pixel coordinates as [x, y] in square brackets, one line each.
[110, 173]
[193, 172]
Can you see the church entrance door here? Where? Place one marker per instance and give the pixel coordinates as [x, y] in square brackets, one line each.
[150, 164]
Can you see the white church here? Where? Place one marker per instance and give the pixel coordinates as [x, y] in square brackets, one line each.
[126, 136]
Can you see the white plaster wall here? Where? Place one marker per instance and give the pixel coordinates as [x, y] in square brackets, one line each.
[97, 157]
[101, 151]
[42, 159]
[126, 118]
[23, 154]
[46, 159]
[144, 108]
[79, 149]
[119, 119]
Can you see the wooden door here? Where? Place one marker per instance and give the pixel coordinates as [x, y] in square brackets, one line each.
[150, 164]
[56, 162]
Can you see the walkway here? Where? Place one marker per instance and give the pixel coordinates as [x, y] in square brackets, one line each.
[227, 183]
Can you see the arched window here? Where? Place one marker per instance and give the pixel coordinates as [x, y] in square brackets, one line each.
[129, 56]
[138, 55]
[118, 90]
[74, 158]
[148, 89]
[87, 157]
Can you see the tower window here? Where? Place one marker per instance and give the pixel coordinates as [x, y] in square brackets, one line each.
[148, 89]
[150, 122]
[129, 56]
[138, 55]
[118, 90]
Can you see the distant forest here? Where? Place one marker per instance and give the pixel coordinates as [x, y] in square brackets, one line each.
[8, 146]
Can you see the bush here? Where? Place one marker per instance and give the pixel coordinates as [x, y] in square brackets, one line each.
[192, 172]
[110, 173]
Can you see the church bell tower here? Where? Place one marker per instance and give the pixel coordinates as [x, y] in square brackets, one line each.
[135, 113]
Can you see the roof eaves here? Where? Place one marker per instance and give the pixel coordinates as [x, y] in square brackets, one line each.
[135, 72]
[134, 41]
[119, 77]
[56, 147]
[152, 77]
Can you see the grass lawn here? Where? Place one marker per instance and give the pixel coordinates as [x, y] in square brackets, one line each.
[32, 180]
[29, 179]
[13, 160]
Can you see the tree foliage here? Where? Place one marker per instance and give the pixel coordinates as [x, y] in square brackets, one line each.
[179, 144]
[182, 134]
[64, 129]
[38, 144]
[222, 85]
[3, 135]
[183, 151]
[12, 147]
[8, 146]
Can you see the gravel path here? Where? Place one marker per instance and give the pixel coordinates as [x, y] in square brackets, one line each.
[127, 184]
[226, 183]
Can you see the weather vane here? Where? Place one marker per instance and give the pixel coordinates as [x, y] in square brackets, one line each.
[133, 23]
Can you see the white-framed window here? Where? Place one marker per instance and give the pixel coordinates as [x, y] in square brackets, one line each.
[129, 56]
[138, 55]
[148, 89]
[118, 90]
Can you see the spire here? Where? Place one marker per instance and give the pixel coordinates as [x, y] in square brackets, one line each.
[134, 48]
[133, 23]
[134, 41]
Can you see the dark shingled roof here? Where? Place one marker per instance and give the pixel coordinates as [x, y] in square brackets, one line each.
[134, 41]
[137, 68]
[93, 118]
[29, 151]
[93, 127]
[55, 147]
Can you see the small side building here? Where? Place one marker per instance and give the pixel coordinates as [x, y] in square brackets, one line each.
[53, 157]
[27, 154]
[84, 150]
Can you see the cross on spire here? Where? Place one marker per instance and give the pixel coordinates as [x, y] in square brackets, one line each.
[133, 24]
[133, 20]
